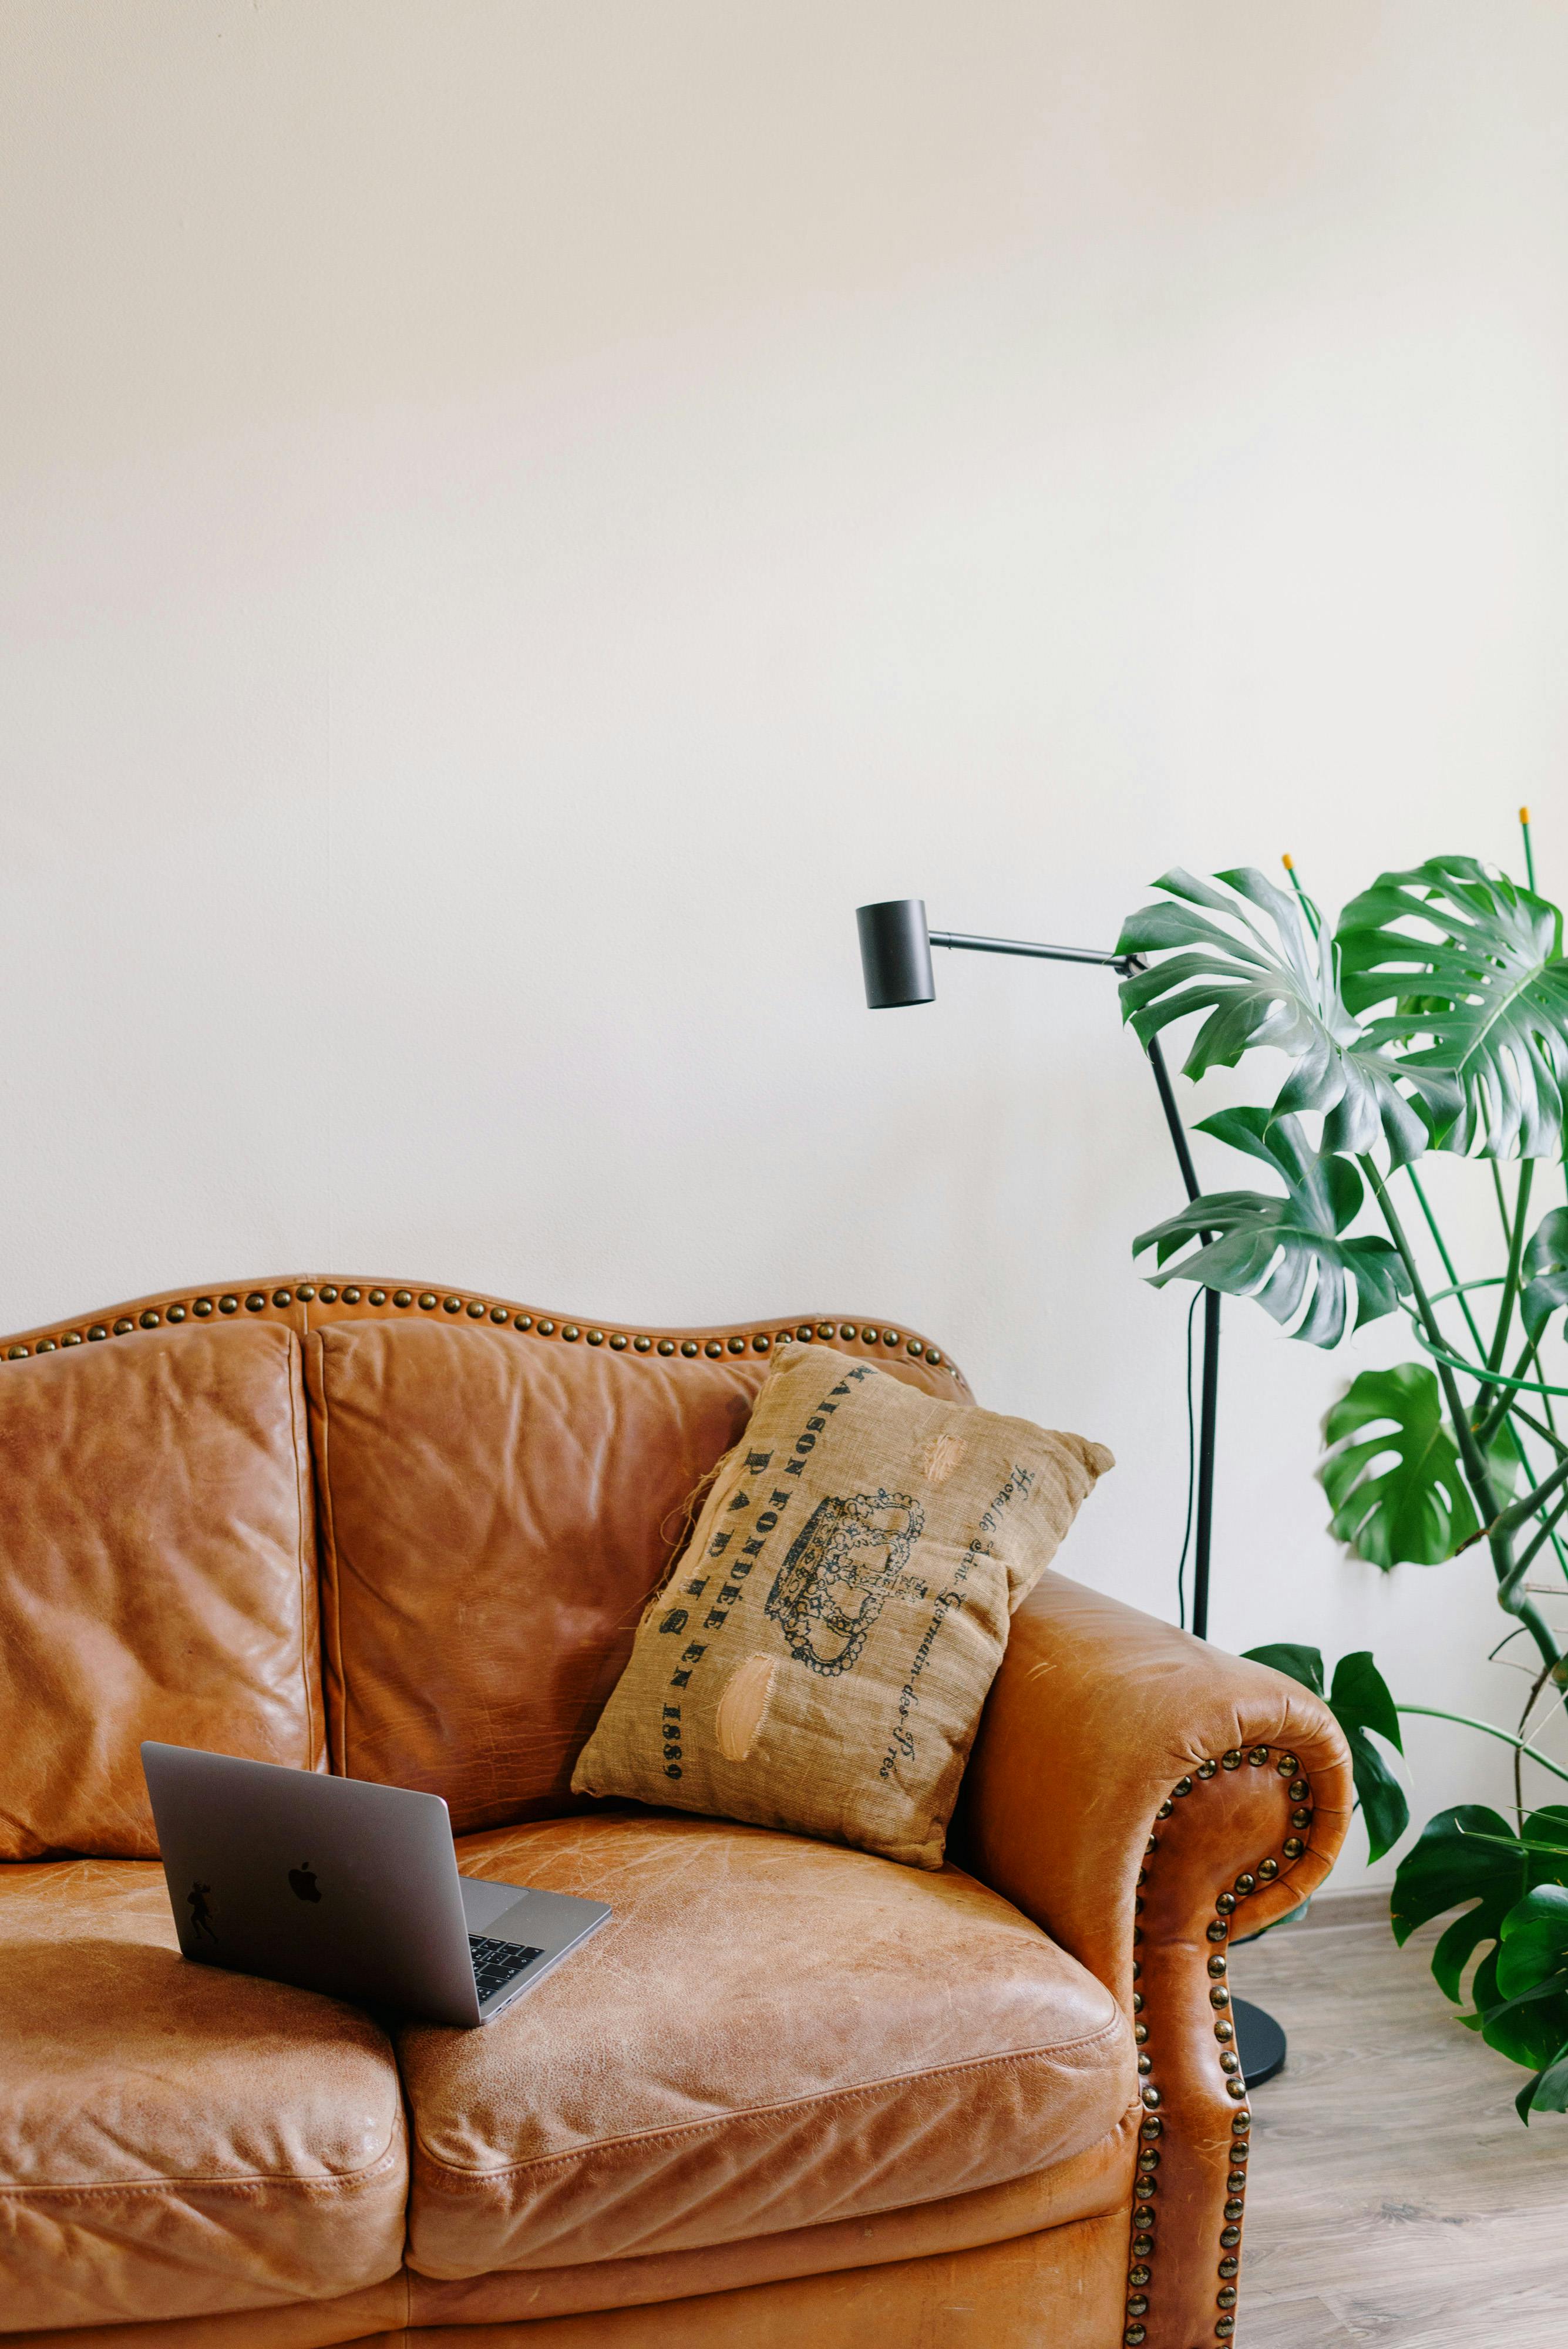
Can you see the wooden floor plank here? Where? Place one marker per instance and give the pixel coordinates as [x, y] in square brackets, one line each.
[1395, 2196]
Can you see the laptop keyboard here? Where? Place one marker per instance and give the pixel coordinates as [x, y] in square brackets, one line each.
[497, 1962]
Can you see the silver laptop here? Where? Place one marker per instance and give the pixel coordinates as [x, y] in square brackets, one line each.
[347, 1887]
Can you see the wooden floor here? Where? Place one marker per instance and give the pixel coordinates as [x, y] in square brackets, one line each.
[1395, 2196]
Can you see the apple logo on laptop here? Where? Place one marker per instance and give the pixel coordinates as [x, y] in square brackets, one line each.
[302, 1882]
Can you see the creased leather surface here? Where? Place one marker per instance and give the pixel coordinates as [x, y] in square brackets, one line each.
[495, 1515]
[1099, 1717]
[157, 1574]
[495, 1512]
[1085, 2185]
[1095, 1714]
[1060, 2290]
[336, 2323]
[174, 2139]
[1090, 2185]
[770, 2034]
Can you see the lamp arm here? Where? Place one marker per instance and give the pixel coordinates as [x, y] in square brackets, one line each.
[961, 939]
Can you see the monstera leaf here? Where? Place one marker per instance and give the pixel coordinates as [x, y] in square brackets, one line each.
[1471, 1854]
[1533, 1972]
[1359, 1700]
[1257, 991]
[1545, 1271]
[1290, 1253]
[1474, 965]
[1397, 1494]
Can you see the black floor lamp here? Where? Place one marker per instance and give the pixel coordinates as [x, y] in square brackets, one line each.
[896, 957]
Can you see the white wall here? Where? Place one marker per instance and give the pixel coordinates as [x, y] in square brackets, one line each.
[517, 517]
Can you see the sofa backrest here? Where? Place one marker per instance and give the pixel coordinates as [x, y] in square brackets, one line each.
[496, 1491]
[157, 1576]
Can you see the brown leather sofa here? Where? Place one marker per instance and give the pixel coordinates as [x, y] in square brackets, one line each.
[793, 2093]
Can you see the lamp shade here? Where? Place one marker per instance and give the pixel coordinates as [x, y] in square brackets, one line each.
[896, 952]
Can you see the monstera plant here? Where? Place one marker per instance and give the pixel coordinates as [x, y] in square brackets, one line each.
[1433, 1018]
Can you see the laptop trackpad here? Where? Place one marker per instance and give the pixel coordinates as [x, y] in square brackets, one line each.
[484, 1903]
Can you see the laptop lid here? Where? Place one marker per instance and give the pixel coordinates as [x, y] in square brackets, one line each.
[334, 1884]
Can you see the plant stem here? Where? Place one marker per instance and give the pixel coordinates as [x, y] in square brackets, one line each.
[1536, 1686]
[1523, 1511]
[1488, 1729]
[1516, 1602]
[1475, 1466]
[1527, 1556]
[1480, 1341]
[1515, 1252]
[1502, 1203]
[1501, 1409]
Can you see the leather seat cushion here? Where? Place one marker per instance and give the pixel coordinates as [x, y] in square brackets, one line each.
[157, 1574]
[174, 2140]
[769, 2034]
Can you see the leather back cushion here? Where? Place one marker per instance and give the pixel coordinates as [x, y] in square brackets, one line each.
[494, 1512]
[157, 1576]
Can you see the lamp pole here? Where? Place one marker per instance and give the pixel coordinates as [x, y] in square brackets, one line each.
[894, 954]
[896, 957]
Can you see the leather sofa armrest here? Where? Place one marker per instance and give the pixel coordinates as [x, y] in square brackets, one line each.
[1145, 1798]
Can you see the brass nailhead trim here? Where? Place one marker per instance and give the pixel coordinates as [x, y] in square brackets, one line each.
[281, 1297]
[402, 1296]
[350, 1296]
[451, 1305]
[524, 1322]
[595, 1337]
[477, 1308]
[546, 1328]
[149, 1320]
[617, 1342]
[713, 1347]
[498, 1313]
[305, 1292]
[1218, 1930]
[228, 1304]
[641, 1345]
[570, 1331]
[737, 1346]
[201, 1307]
[121, 1327]
[329, 1297]
[428, 1301]
[378, 1296]
[176, 1313]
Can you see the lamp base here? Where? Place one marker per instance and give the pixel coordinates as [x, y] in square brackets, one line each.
[1259, 2041]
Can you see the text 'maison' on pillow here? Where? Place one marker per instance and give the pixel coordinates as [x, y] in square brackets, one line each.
[818, 1658]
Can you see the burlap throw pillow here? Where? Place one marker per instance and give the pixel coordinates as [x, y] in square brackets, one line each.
[818, 1656]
